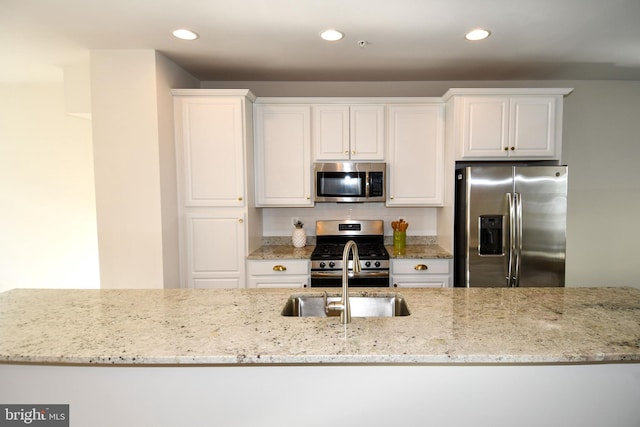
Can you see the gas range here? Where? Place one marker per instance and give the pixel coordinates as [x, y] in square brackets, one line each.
[326, 259]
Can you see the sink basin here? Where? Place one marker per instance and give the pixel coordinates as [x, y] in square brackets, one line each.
[388, 305]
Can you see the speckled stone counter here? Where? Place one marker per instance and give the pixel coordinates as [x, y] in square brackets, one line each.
[277, 250]
[420, 251]
[215, 327]
[267, 252]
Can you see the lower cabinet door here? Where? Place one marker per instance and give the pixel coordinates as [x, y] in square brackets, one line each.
[215, 249]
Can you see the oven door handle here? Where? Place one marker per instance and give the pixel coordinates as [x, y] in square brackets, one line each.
[362, 274]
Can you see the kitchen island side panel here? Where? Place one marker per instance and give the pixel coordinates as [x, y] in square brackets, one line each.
[414, 395]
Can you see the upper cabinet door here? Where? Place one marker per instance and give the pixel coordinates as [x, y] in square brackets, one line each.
[367, 132]
[210, 150]
[415, 155]
[283, 155]
[532, 126]
[485, 126]
[331, 132]
[348, 132]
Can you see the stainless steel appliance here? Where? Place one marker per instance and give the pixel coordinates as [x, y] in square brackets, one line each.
[510, 224]
[349, 182]
[326, 258]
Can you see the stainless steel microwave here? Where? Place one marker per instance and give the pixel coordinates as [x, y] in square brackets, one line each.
[350, 182]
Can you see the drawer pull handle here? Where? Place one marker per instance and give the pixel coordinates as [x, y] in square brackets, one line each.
[279, 268]
[421, 267]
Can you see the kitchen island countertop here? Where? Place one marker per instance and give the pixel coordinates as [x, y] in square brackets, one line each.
[231, 327]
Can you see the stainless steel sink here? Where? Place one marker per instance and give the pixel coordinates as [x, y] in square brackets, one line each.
[387, 305]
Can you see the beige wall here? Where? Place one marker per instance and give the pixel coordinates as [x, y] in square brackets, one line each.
[127, 169]
[169, 76]
[601, 147]
[135, 167]
[47, 205]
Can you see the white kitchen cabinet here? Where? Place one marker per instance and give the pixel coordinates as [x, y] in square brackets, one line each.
[415, 155]
[507, 124]
[215, 248]
[218, 222]
[421, 273]
[348, 132]
[210, 150]
[278, 273]
[283, 155]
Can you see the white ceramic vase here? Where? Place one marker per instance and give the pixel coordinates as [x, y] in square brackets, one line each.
[299, 238]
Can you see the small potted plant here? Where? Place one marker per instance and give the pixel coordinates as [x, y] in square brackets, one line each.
[299, 237]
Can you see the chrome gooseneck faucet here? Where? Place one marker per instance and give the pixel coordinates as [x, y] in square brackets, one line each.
[343, 305]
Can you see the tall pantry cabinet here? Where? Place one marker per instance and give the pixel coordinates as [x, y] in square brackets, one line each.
[218, 221]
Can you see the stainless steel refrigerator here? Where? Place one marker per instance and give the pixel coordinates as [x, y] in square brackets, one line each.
[510, 226]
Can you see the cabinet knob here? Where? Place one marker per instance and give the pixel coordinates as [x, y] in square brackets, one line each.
[240, 220]
[240, 198]
[421, 267]
[279, 268]
[391, 197]
[346, 151]
[506, 148]
[395, 285]
[353, 152]
[513, 148]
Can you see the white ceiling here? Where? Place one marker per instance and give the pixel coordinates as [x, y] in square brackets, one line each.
[278, 39]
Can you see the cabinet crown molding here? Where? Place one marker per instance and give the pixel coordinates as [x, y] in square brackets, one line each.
[347, 100]
[506, 91]
[215, 92]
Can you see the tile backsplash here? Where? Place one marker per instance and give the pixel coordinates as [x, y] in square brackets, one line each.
[278, 221]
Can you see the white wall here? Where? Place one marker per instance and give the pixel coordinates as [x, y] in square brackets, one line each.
[47, 206]
[127, 168]
[169, 76]
[135, 167]
[278, 221]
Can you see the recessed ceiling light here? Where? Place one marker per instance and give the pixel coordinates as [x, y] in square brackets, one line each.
[331, 35]
[477, 34]
[185, 34]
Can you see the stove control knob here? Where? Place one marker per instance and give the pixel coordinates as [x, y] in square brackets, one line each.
[377, 263]
[332, 264]
[367, 264]
[322, 264]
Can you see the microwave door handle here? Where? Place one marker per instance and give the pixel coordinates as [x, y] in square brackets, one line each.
[366, 185]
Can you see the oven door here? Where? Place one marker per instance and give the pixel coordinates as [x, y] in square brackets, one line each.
[365, 279]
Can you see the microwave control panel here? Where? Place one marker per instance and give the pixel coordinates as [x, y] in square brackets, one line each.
[376, 184]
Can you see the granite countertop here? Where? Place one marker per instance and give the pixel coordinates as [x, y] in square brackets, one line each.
[420, 251]
[277, 249]
[233, 326]
[272, 252]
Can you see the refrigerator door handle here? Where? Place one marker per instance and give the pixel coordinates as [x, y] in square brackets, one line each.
[512, 232]
[518, 243]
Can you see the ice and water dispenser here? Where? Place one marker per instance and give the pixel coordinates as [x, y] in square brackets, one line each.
[491, 241]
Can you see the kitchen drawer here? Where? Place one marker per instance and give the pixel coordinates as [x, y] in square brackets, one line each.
[420, 266]
[278, 267]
